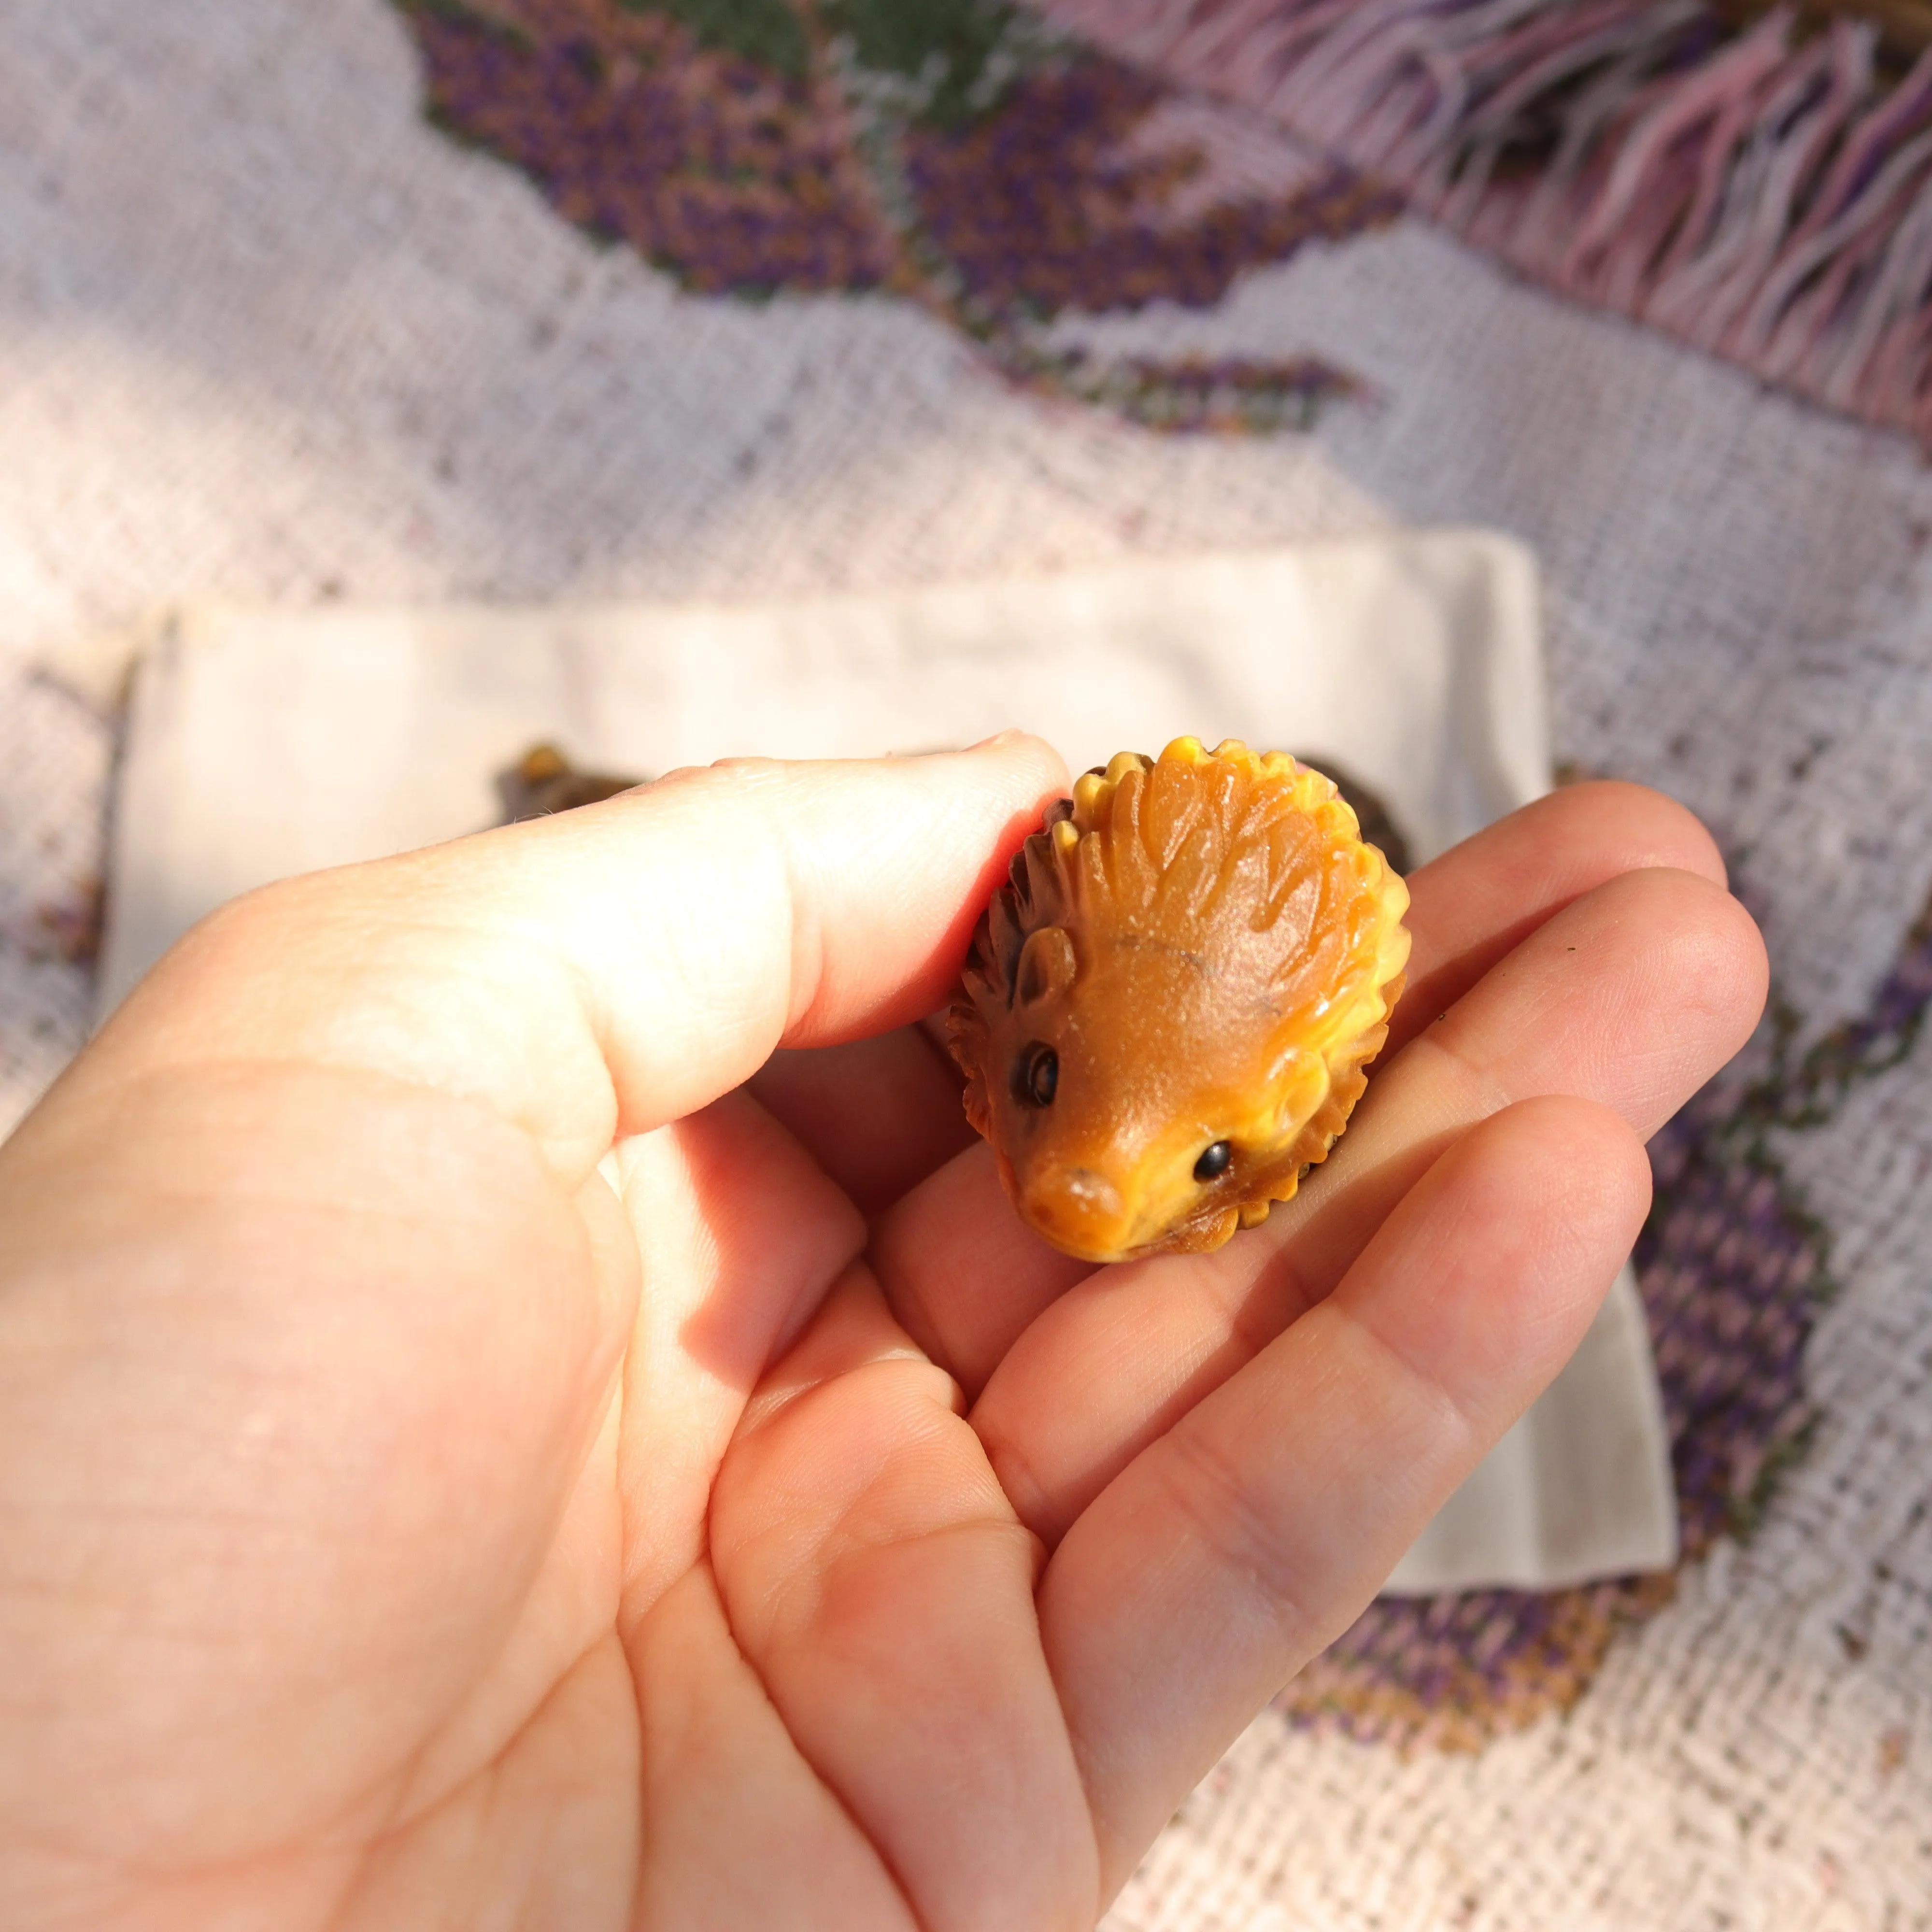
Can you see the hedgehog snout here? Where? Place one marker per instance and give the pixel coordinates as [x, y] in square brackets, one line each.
[1076, 1208]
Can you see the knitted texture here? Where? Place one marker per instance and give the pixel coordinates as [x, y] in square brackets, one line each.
[272, 335]
[995, 192]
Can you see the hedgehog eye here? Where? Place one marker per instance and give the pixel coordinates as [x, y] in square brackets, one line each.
[1036, 1076]
[1214, 1162]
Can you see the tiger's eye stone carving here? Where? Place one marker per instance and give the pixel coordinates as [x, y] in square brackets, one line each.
[1169, 1004]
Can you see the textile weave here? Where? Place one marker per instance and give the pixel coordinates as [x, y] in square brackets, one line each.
[271, 336]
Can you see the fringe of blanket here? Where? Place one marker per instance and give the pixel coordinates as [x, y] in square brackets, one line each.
[1761, 193]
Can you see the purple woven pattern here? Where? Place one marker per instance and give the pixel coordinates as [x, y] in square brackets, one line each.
[1046, 203]
[1057, 190]
[1452, 1673]
[738, 177]
[1731, 1273]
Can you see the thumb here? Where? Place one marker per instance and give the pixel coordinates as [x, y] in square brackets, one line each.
[599, 973]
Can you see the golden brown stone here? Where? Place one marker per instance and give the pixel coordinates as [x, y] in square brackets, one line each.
[1169, 1006]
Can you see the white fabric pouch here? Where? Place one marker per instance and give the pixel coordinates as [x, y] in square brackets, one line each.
[263, 743]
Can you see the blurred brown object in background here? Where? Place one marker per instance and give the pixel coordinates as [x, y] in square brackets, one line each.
[1378, 828]
[543, 781]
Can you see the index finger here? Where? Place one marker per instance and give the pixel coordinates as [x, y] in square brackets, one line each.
[601, 972]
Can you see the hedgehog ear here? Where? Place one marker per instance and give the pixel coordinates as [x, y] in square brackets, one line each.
[1046, 967]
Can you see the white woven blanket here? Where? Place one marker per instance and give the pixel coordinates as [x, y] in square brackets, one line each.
[270, 339]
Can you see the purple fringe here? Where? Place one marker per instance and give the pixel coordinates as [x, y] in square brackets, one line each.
[1764, 195]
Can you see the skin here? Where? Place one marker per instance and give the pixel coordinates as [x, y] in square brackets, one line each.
[467, 1459]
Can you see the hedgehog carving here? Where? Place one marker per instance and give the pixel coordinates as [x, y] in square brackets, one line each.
[1167, 1007]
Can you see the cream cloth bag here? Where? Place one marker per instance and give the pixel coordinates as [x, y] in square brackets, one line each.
[264, 742]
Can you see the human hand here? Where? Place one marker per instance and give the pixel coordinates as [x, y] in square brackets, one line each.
[468, 1458]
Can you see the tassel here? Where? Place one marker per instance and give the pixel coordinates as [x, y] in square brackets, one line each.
[1757, 190]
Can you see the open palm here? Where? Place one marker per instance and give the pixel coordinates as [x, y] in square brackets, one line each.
[484, 1443]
